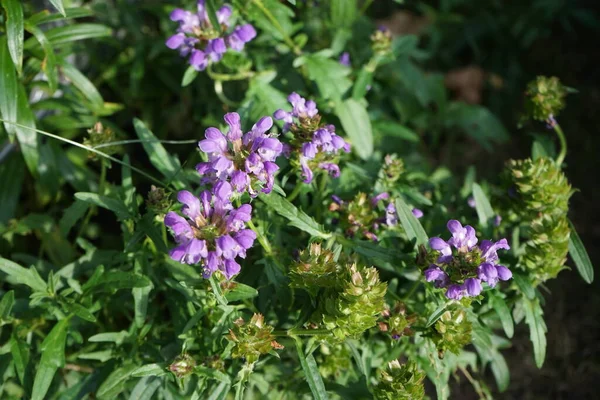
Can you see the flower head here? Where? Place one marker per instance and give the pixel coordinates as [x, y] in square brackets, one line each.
[204, 43]
[247, 160]
[211, 233]
[315, 145]
[460, 265]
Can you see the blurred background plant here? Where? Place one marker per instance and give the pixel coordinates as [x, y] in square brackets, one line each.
[438, 83]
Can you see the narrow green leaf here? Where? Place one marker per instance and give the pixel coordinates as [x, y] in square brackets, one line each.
[44, 17]
[58, 4]
[216, 289]
[504, 314]
[211, 10]
[114, 384]
[85, 86]
[72, 33]
[311, 372]
[72, 214]
[24, 276]
[537, 328]
[524, 285]
[356, 123]
[80, 311]
[241, 292]
[500, 370]
[140, 299]
[111, 337]
[28, 139]
[436, 315]
[9, 85]
[482, 205]
[410, 223]
[6, 304]
[49, 62]
[53, 357]
[329, 75]
[145, 388]
[297, 217]
[397, 130]
[164, 162]
[580, 256]
[375, 251]
[109, 203]
[115, 280]
[212, 374]
[14, 31]
[220, 392]
[20, 354]
[12, 171]
[363, 80]
[189, 76]
[343, 13]
[150, 370]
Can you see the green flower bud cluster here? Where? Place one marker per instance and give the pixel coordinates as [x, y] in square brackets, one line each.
[451, 332]
[396, 322]
[158, 200]
[253, 339]
[400, 382]
[358, 217]
[99, 135]
[335, 359]
[314, 269]
[391, 170]
[354, 304]
[543, 202]
[382, 41]
[182, 366]
[545, 98]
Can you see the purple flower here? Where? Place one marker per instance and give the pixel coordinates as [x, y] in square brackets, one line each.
[462, 238]
[417, 213]
[473, 286]
[212, 233]
[197, 37]
[391, 217]
[244, 160]
[455, 292]
[379, 197]
[489, 249]
[471, 201]
[345, 59]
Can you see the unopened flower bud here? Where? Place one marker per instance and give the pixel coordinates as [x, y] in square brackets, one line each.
[400, 382]
[158, 200]
[252, 339]
[182, 366]
[545, 98]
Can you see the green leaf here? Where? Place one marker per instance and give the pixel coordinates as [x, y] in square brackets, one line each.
[212, 374]
[111, 337]
[12, 171]
[311, 372]
[356, 123]
[297, 217]
[580, 256]
[436, 315]
[343, 13]
[145, 388]
[80, 311]
[534, 317]
[14, 31]
[524, 285]
[164, 162]
[363, 80]
[149, 370]
[72, 33]
[49, 62]
[53, 357]
[482, 205]
[329, 75]
[6, 304]
[9, 85]
[114, 205]
[477, 122]
[85, 86]
[411, 225]
[114, 384]
[211, 10]
[28, 139]
[241, 292]
[140, 299]
[23, 276]
[397, 130]
[58, 4]
[265, 98]
[72, 214]
[220, 392]
[189, 76]
[20, 354]
[375, 251]
[44, 17]
[504, 314]
[115, 280]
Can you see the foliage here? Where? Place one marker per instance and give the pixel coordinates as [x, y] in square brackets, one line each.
[305, 255]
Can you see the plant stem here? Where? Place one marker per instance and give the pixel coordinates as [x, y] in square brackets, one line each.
[412, 290]
[295, 192]
[301, 332]
[229, 77]
[264, 242]
[277, 25]
[120, 142]
[563, 144]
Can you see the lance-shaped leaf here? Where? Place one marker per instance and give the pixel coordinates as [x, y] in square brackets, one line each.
[297, 218]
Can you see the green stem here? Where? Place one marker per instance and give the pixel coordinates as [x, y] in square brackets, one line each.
[301, 332]
[412, 290]
[229, 77]
[221, 94]
[243, 376]
[563, 144]
[92, 209]
[277, 25]
[264, 242]
[120, 142]
[295, 192]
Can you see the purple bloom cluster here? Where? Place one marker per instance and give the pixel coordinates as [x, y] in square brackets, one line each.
[202, 42]
[213, 232]
[461, 272]
[247, 160]
[317, 144]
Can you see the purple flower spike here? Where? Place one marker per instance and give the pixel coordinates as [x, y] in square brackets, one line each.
[196, 35]
[244, 160]
[211, 223]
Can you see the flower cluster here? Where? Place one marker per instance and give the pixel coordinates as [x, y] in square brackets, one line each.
[204, 43]
[461, 271]
[545, 98]
[400, 382]
[247, 160]
[317, 144]
[212, 232]
[451, 332]
[253, 339]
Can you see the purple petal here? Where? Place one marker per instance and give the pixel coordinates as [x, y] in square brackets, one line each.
[441, 245]
[180, 227]
[245, 238]
[379, 197]
[504, 273]
[198, 60]
[473, 286]
[306, 171]
[235, 128]
[227, 247]
[270, 149]
[455, 292]
[433, 273]
[240, 180]
[455, 227]
[245, 32]
[332, 169]
[231, 268]
[191, 204]
[309, 150]
[417, 213]
[175, 41]
[179, 15]
[224, 14]
[263, 125]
